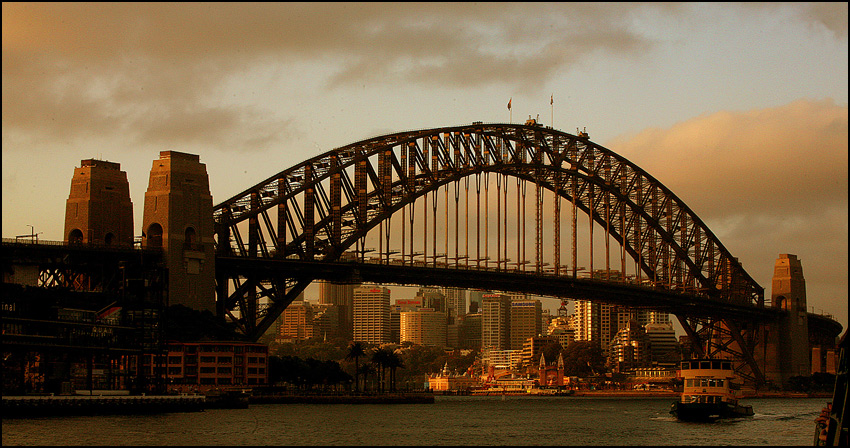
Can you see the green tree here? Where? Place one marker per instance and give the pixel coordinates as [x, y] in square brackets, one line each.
[583, 358]
[551, 352]
[355, 351]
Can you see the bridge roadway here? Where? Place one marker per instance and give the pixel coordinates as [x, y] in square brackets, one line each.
[529, 282]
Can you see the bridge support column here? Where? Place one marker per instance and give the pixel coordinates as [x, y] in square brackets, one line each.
[786, 341]
[99, 210]
[178, 217]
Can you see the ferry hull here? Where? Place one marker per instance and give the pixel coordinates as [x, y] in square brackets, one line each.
[708, 411]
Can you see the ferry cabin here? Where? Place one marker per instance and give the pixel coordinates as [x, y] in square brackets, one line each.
[707, 381]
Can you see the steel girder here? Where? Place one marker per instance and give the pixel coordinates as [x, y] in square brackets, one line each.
[327, 204]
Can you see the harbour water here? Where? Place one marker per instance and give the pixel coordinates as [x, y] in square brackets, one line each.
[451, 420]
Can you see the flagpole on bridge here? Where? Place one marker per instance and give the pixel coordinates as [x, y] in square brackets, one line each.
[552, 106]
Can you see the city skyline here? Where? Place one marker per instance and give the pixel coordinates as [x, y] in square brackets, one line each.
[739, 109]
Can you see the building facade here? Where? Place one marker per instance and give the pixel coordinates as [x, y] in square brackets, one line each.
[296, 322]
[495, 321]
[372, 314]
[424, 327]
[525, 321]
[342, 296]
[203, 366]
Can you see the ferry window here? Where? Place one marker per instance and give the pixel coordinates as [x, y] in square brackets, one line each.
[719, 383]
[686, 365]
[727, 365]
[705, 364]
[715, 364]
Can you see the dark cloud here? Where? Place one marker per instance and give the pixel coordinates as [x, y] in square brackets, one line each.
[151, 71]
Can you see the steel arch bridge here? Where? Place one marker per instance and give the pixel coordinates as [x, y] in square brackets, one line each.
[313, 221]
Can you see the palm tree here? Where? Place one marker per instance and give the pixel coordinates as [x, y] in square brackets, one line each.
[380, 358]
[355, 351]
[394, 361]
[366, 370]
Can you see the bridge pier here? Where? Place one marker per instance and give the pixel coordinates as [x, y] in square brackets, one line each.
[178, 218]
[786, 351]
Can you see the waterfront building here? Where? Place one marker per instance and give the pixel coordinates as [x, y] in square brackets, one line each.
[525, 321]
[446, 381]
[372, 314]
[425, 326]
[202, 366]
[495, 321]
[550, 374]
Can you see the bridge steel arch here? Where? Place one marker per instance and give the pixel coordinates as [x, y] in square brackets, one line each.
[325, 206]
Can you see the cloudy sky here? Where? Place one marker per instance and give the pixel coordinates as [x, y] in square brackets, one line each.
[739, 109]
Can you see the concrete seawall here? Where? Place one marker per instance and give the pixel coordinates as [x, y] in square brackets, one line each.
[38, 406]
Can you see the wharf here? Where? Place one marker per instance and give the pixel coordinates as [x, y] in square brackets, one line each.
[46, 405]
[389, 398]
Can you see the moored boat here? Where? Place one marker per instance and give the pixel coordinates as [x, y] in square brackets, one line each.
[709, 392]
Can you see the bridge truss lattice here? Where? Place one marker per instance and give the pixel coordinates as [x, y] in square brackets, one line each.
[386, 191]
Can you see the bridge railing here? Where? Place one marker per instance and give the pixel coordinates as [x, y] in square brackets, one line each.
[97, 246]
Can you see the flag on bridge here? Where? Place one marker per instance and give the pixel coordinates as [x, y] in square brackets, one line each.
[551, 99]
[509, 103]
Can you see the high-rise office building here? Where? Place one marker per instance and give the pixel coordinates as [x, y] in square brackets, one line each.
[400, 306]
[593, 322]
[525, 322]
[296, 322]
[663, 345]
[372, 314]
[469, 331]
[475, 298]
[629, 348]
[424, 327]
[326, 321]
[433, 298]
[341, 295]
[495, 321]
[455, 303]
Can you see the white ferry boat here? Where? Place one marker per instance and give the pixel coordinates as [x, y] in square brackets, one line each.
[709, 393]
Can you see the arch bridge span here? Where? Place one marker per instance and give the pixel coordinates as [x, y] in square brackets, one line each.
[428, 203]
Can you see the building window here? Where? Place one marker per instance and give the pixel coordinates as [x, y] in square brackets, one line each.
[154, 235]
[75, 237]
